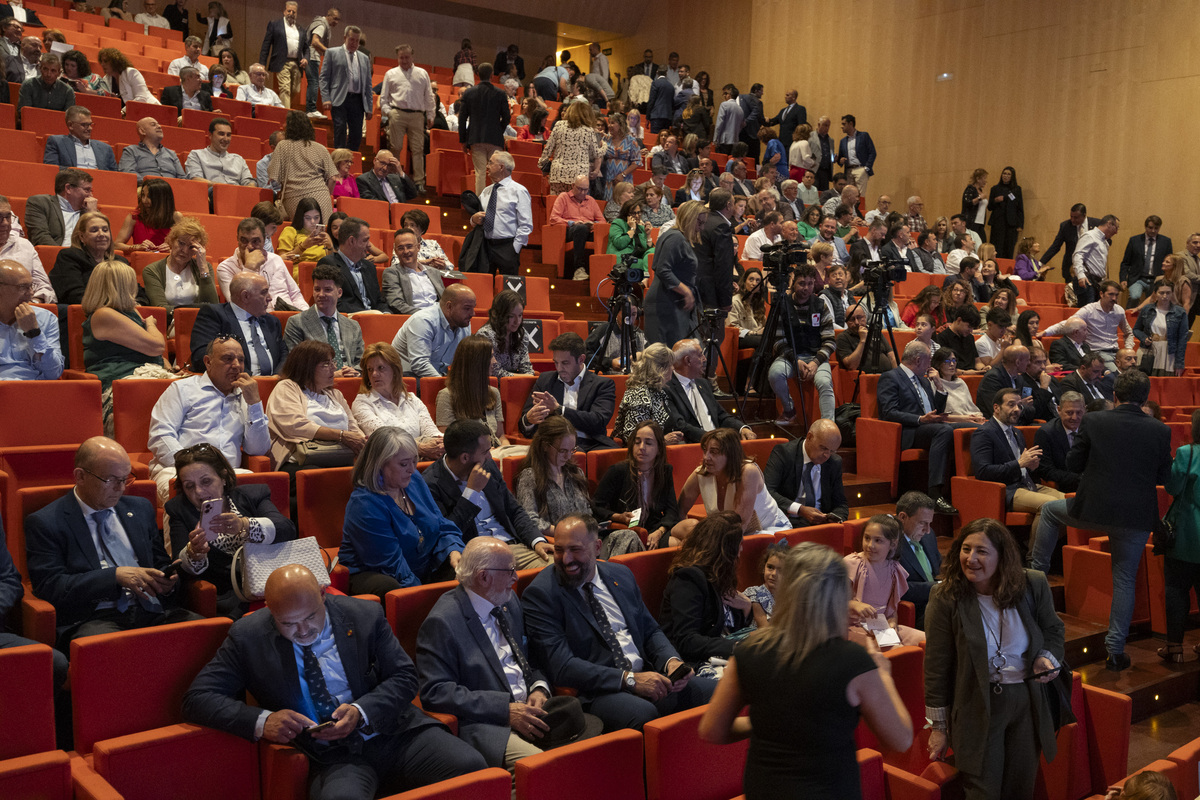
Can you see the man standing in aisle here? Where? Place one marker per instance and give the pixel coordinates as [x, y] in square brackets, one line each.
[482, 119]
[856, 153]
[318, 37]
[507, 218]
[346, 87]
[408, 102]
[283, 54]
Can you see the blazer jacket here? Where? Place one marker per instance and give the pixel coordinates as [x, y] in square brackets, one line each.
[60, 150]
[397, 288]
[369, 187]
[1073, 383]
[351, 301]
[693, 616]
[274, 51]
[31, 17]
[994, 380]
[617, 493]
[461, 511]
[1120, 453]
[662, 100]
[567, 640]
[596, 401]
[1052, 438]
[1062, 351]
[288, 421]
[173, 96]
[64, 566]
[1065, 240]
[683, 415]
[784, 471]
[788, 119]
[1134, 261]
[483, 115]
[307, 325]
[462, 675]
[864, 150]
[216, 320]
[73, 268]
[992, 459]
[918, 587]
[1006, 213]
[255, 658]
[716, 263]
[898, 402]
[335, 78]
[44, 220]
[1178, 332]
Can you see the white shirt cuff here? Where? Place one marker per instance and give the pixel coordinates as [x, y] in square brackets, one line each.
[260, 724]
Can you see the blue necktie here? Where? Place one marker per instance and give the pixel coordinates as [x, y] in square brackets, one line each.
[324, 703]
[606, 631]
[260, 348]
[119, 554]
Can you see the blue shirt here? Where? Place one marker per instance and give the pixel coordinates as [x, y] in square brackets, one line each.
[426, 343]
[24, 359]
[325, 649]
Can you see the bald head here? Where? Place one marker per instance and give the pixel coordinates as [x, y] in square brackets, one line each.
[150, 131]
[16, 285]
[822, 441]
[250, 292]
[101, 470]
[458, 305]
[294, 599]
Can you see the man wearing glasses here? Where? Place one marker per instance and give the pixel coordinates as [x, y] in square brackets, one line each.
[97, 556]
[29, 346]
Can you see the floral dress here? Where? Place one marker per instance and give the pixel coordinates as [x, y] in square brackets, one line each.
[618, 157]
[570, 152]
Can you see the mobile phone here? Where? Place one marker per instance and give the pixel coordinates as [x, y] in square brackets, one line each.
[209, 511]
[170, 569]
[681, 672]
[322, 726]
[1026, 391]
[319, 229]
[1037, 675]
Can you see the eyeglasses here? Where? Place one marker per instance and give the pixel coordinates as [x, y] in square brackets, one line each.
[512, 571]
[111, 483]
[203, 447]
[24, 287]
[566, 451]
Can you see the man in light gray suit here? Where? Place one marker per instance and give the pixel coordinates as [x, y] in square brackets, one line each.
[323, 322]
[408, 285]
[346, 87]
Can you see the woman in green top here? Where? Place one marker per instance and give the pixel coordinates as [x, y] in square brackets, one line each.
[1182, 565]
[185, 277]
[810, 220]
[627, 236]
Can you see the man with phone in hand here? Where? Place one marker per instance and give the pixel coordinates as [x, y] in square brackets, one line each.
[805, 477]
[316, 659]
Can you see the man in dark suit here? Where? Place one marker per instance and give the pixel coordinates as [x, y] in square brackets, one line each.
[1057, 437]
[1143, 260]
[321, 320]
[97, 556]
[1088, 380]
[918, 550]
[1041, 384]
[61, 150]
[1068, 350]
[586, 399]
[282, 52]
[859, 161]
[310, 659]
[1067, 237]
[752, 117]
[190, 93]
[647, 67]
[386, 180]
[870, 248]
[504, 58]
[471, 493]
[579, 613]
[661, 105]
[482, 119]
[31, 17]
[1008, 374]
[791, 116]
[360, 281]
[690, 397]
[906, 396]
[245, 318]
[805, 477]
[1127, 454]
[716, 256]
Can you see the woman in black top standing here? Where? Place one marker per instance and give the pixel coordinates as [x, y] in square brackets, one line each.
[1008, 213]
[974, 203]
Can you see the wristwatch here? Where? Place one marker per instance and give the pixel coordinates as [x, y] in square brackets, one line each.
[629, 681]
[33, 333]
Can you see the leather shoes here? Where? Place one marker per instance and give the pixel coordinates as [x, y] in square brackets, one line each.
[940, 506]
[1117, 662]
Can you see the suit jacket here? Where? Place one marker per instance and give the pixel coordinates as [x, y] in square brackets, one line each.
[369, 187]
[649, 71]
[890, 251]
[462, 675]
[307, 325]
[684, 193]
[918, 587]
[64, 565]
[397, 288]
[716, 263]
[483, 115]
[992, 459]
[1043, 407]
[60, 150]
[215, 320]
[661, 105]
[752, 112]
[567, 640]
[335, 75]
[1066, 239]
[693, 616]
[1073, 383]
[743, 188]
[1133, 263]
[1126, 454]
[898, 402]
[596, 401]
[351, 301]
[1052, 438]
[864, 149]
[255, 658]
[461, 511]
[784, 471]
[683, 416]
[44, 220]
[1062, 351]
[994, 380]
[274, 50]
[31, 17]
[788, 119]
[173, 96]
[789, 210]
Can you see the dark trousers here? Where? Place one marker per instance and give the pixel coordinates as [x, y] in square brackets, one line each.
[578, 234]
[546, 89]
[1005, 240]
[938, 439]
[1010, 761]
[502, 256]
[375, 583]
[313, 70]
[1181, 578]
[1088, 294]
[753, 143]
[348, 122]
[622, 710]
[824, 175]
[658, 124]
[725, 149]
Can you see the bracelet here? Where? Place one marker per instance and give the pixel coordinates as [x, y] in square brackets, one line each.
[340, 435]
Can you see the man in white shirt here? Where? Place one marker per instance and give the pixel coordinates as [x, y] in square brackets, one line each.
[215, 164]
[1089, 262]
[191, 58]
[408, 285]
[507, 218]
[1104, 318]
[20, 250]
[883, 207]
[768, 234]
[997, 336]
[283, 51]
[407, 100]
[256, 92]
[598, 76]
[220, 407]
[150, 16]
[51, 218]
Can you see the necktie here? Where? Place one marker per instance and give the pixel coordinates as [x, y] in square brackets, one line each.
[605, 626]
[923, 560]
[119, 554]
[501, 615]
[1017, 446]
[808, 493]
[260, 348]
[698, 406]
[331, 337]
[921, 394]
[1149, 269]
[324, 703]
[388, 192]
[489, 216]
[1092, 391]
[1070, 440]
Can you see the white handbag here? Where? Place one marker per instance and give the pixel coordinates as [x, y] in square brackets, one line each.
[253, 564]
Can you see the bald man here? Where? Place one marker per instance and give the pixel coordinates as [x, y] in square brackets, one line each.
[314, 658]
[427, 341]
[148, 158]
[98, 556]
[805, 477]
[246, 318]
[29, 345]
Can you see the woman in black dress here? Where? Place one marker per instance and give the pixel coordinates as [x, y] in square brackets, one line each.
[671, 299]
[806, 686]
[1008, 213]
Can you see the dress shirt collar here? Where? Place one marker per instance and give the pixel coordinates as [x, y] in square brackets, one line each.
[908, 372]
[65, 206]
[353, 265]
[446, 464]
[575, 384]
[685, 382]
[481, 605]
[85, 508]
[80, 142]
[242, 314]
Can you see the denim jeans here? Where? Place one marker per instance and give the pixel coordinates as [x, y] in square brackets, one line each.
[1139, 289]
[783, 370]
[1047, 534]
[1126, 547]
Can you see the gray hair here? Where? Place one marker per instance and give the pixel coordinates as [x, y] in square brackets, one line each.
[788, 184]
[196, 40]
[506, 160]
[682, 349]
[188, 72]
[477, 556]
[385, 444]
[77, 112]
[913, 199]
[1071, 397]
[50, 58]
[913, 351]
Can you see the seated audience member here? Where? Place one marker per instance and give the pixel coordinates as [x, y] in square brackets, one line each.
[146, 228]
[429, 251]
[269, 215]
[25, 65]
[1088, 380]
[283, 294]
[693, 189]
[1042, 385]
[959, 338]
[645, 395]
[185, 276]
[15, 247]
[77, 72]
[504, 330]
[1069, 349]
[117, 340]
[728, 481]
[305, 409]
[190, 93]
[384, 401]
[360, 284]
[306, 239]
[768, 234]
[215, 163]
[917, 550]
[17, 10]
[248, 517]
[550, 484]
[148, 157]
[816, 343]
[585, 399]
[996, 336]
[960, 405]
[701, 605]
[629, 234]
[614, 345]
[150, 17]
[45, 90]
[91, 243]
[1009, 373]
[627, 685]
[322, 322]
[125, 81]
[220, 407]
[244, 317]
[878, 580]
[638, 492]
[409, 285]
[1057, 437]
[656, 211]
[468, 394]
[804, 476]
[927, 301]
[191, 58]
[749, 312]
[470, 491]
[925, 253]
[924, 326]
[256, 92]
[345, 184]
[691, 399]
[72, 544]
[51, 219]
[386, 180]
[1104, 318]
[29, 343]
[358, 675]
[394, 533]
[579, 211]
[851, 346]
[427, 340]
[262, 167]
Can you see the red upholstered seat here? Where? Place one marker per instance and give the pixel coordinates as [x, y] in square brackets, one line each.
[681, 766]
[407, 608]
[602, 768]
[321, 497]
[649, 569]
[486, 784]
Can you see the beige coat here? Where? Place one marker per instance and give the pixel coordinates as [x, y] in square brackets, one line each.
[288, 420]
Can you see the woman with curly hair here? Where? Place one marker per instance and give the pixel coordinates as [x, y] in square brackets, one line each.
[124, 79]
[302, 167]
[928, 301]
[646, 395]
[572, 149]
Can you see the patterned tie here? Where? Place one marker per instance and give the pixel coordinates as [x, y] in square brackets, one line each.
[260, 348]
[921, 394]
[118, 554]
[606, 631]
[501, 615]
[324, 703]
[489, 217]
[331, 337]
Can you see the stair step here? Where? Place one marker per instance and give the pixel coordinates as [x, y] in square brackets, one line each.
[1152, 685]
[1084, 641]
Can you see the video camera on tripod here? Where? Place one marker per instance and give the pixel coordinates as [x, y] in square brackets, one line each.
[780, 261]
[625, 276]
[884, 272]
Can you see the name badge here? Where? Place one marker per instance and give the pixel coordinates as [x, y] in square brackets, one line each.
[1012, 196]
[816, 320]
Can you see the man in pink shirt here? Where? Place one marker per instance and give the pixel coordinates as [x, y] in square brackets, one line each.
[578, 211]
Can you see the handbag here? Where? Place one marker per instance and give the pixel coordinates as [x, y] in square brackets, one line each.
[253, 563]
[322, 454]
[1165, 531]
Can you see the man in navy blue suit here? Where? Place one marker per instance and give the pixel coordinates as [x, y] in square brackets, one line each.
[245, 318]
[594, 633]
[856, 154]
[97, 556]
[282, 52]
[918, 550]
[77, 148]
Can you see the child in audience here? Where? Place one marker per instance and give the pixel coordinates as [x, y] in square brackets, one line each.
[924, 325]
[762, 597]
[876, 577]
[1148, 785]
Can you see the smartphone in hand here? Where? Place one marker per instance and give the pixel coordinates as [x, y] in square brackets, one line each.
[209, 511]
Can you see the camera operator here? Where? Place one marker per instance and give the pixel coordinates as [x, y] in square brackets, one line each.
[812, 332]
[851, 343]
[610, 360]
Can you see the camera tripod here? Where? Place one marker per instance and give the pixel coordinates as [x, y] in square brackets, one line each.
[780, 313]
[878, 291]
[620, 313]
[708, 331]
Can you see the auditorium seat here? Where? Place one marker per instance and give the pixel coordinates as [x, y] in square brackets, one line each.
[21, 146]
[374, 212]
[273, 113]
[680, 766]
[321, 497]
[191, 197]
[199, 120]
[375, 327]
[483, 286]
[398, 210]
[485, 784]
[407, 608]
[650, 571]
[831, 535]
[536, 292]
[683, 458]
[26, 703]
[100, 106]
[133, 400]
[1088, 589]
[513, 392]
[230, 108]
[600, 768]
[229, 200]
[977, 499]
